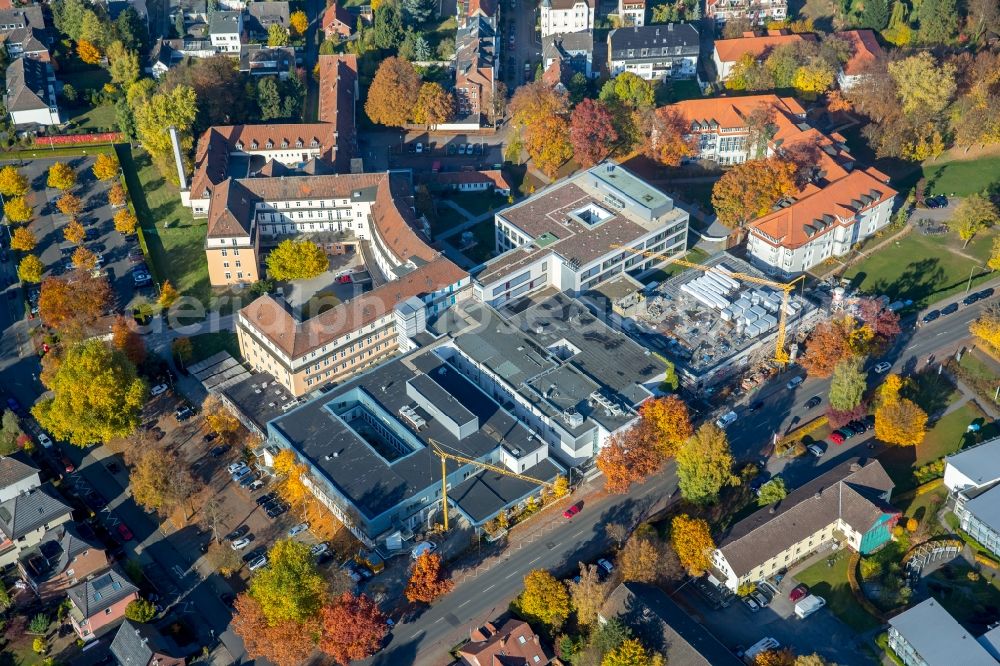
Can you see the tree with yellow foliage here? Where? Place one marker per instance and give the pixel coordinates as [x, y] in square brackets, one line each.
[12, 182]
[544, 599]
[298, 22]
[125, 221]
[901, 422]
[669, 421]
[74, 232]
[17, 209]
[692, 541]
[23, 240]
[61, 176]
[69, 204]
[168, 295]
[88, 53]
[84, 259]
[219, 419]
[30, 269]
[106, 167]
[290, 471]
[631, 653]
[782, 657]
[986, 328]
[639, 560]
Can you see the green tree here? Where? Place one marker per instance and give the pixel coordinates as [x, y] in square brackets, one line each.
[296, 260]
[277, 35]
[123, 65]
[705, 465]
[923, 85]
[130, 29]
[387, 32]
[938, 20]
[974, 213]
[875, 15]
[140, 610]
[772, 491]
[291, 587]
[154, 115]
[629, 89]
[848, 385]
[269, 98]
[419, 11]
[96, 396]
[10, 430]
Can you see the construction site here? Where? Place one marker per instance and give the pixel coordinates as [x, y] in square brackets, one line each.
[717, 320]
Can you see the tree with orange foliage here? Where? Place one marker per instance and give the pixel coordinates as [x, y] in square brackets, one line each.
[828, 344]
[628, 458]
[69, 204]
[427, 582]
[901, 422]
[668, 143]
[84, 259]
[125, 221]
[88, 53]
[116, 196]
[352, 628]
[286, 643]
[691, 539]
[288, 468]
[835, 101]
[782, 657]
[168, 295]
[547, 143]
[23, 240]
[129, 341]
[74, 232]
[72, 305]
[669, 421]
[750, 189]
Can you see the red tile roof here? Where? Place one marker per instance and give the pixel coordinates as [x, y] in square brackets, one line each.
[731, 50]
[732, 112]
[272, 319]
[337, 19]
[866, 50]
[494, 176]
[796, 225]
[338, 76]
[513, 644]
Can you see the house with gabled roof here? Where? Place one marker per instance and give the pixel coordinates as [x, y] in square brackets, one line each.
[848, 505]
[99, 602]
[138, 644]
[63, 557]
[28, 508]
[31, 93]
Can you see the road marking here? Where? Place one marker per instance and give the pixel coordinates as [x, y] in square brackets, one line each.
[178, 571]
[579, 533]
[489, 588]
[535, 560]
[438, 620]
[464, 602]
[511, 575]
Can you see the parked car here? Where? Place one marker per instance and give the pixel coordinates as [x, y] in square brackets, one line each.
[298, 529]
[882, 367]
[236, 467]
[67, 464]
[241, 543]
[239, 532]
[256, 484]
[420, 147]
[95, 500]
[259, 563]
[798, 592]
[813, 402]
[254, 554]
[45, 440]
[184, 413]
[219, 451]
[760, 598]
[264, 499]
[756, 405]
[816, 450]
[247, 480]
[949, 309]
[277, 510]
[605, 565]
[421, 548]
[14, 406]
[837, 437]
[931, 316]
[793, 382]
[158, 389]
[750, 603]
[859, 426]
[571, 511]
[345, 278]
[726, 420]
[124, 532]
[319, 549]
[985, 293]
[970, 299]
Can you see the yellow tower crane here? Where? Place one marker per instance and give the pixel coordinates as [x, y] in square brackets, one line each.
[780, 355]
[445, 456]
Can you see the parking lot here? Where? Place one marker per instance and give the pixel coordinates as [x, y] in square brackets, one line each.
[97, 217]
[447, 152]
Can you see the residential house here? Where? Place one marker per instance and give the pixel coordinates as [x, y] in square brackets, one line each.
[654, 52]
[865, 51]
[562, 16]
[729, 51]
[64, 556]
[28, 508]
[470, 181]
[758, 12]
[261, 16]
[267, 61]
[338, 96]
[225, 30]
[973, 478]
[337, 22]
[563, 235]
[31, 93]
[475, 69]
[27, 42]
[513, 642]
[99, 603]
[665, 627]
[632, 13]
[574, 49]
[19, 18]
[928, 635]
[167, 53]
[846, 505]
[826, 219]
[142, 645]
[471, 9]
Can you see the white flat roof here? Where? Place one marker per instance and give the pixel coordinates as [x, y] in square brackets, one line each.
[938, 637]
[980, 463]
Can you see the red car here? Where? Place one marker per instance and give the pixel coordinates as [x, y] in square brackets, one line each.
[837, 437]
[572, 511]
[124, 532]
[798, 592]
[344, 279]
[68, 464]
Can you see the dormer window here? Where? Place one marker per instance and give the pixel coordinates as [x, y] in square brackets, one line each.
[270, 144]
[298, 143]
[314, 143]
[284, 143]
[239, 145]
[254, 145]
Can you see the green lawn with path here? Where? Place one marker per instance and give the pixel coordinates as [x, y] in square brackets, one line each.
[922, 268]
[961, 178]
[207, 344]
[485, 242]
[174, 239]
[830, 582]
[94, 119]
[477, 203]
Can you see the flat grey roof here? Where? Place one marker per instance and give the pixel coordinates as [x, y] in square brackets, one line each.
[986, 507]
[938, 637]
[260, 398]
[979, 463]
[375, 485]
[632, 186]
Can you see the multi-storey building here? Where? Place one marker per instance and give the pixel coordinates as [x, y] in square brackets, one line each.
[31, 93]
[632, 13]
[973, 478]
[64, 556]
[865, 51]
[756, 11]
[729, 51]
[573, 51]
[261, 16]
[27, 43]
[225, 30]
[928, 635]
[564, 236]
[654, 52]
[848, 504]
[28, 509]
[99, 603]
[562, 16]
[824, 221]
[476, 68]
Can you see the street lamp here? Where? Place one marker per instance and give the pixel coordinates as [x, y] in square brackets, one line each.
[971, 272]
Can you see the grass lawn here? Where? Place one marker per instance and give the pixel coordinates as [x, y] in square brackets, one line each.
[920, 268]
[830, 582]
[44, 151]
[684, 89]
[86, 79]
[980, 373]
[206, 344]
[447, 218]
[923, 506]
[695, 255]
[174, 239]
[975, 604]
[478, 203]
[95, 119]
[962, 178]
